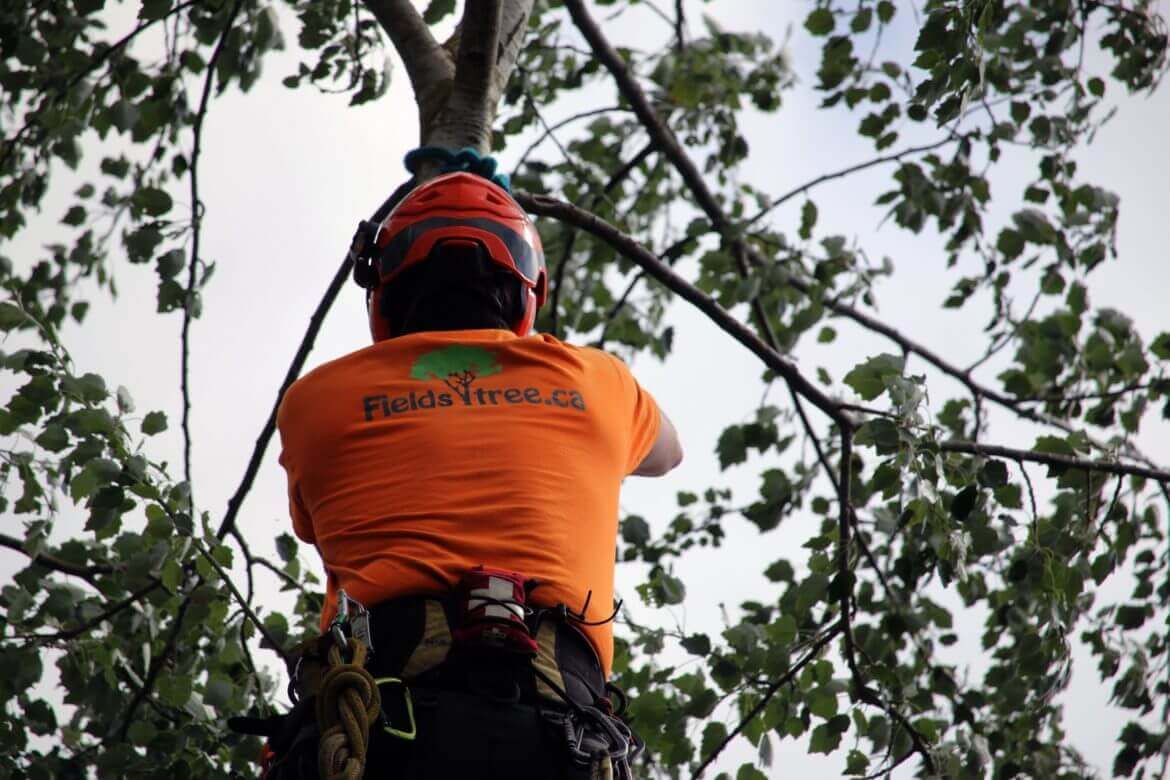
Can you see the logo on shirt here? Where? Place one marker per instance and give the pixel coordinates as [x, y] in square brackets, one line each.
[459, 367]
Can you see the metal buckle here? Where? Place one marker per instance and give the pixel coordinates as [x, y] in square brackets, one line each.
[412, 729]
[360, 624]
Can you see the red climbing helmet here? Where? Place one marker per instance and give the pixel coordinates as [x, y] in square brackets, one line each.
[464, 207]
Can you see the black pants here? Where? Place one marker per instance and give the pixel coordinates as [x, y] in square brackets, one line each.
[459, 735]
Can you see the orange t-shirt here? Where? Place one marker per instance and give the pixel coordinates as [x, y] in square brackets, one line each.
[417, 458]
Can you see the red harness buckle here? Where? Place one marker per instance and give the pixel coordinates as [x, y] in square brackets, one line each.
[492, 607]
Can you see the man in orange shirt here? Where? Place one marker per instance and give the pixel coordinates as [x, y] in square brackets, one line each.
[459, 440]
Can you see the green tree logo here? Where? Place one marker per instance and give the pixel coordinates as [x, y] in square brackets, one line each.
[457, 366]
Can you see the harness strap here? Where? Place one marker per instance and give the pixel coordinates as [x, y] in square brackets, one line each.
[347, 705]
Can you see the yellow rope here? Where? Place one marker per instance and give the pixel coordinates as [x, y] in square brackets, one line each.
[347, 705]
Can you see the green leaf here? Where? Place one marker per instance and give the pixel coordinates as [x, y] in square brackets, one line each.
[154, 422]
[780, 571]
[1161, 346]
[141, 733]
[1009, 496]
[861, 20]
[964, 502]
[171, 575]
[697, 644]
[822, 702]
[749, 772]
[170, 263]
[820, 22]
[54, 438]
[868, 379]
[11, 316]
[713, 735]
[993, 474]
[174, 690]
[635, 530]
[74, 216]
[732, 446]
[808, 219]
[1131, 616]
[286, 547]
[153, 201]
[824, 739]
[437, 10]
[218, 690]
[668, 589]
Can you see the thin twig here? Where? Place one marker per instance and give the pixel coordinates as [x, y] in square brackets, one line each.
[223, 576]
[808, 185]
[550, 129]
[765, 697]
[196, 230]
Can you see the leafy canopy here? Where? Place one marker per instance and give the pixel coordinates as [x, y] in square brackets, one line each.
[154, 645]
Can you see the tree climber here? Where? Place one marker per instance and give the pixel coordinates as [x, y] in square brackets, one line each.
[460, 480]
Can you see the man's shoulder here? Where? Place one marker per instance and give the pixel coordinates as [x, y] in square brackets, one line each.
[341, 369]
[586, 354]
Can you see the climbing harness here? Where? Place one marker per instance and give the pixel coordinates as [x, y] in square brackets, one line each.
[481, 647]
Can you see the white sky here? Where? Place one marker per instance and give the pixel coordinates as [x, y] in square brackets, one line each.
[286, 175]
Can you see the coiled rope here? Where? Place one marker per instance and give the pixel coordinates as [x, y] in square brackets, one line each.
[347, 705]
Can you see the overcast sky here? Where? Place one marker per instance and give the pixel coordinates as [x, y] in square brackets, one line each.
[286, 175]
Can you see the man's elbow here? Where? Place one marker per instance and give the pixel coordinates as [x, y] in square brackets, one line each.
[660, 462]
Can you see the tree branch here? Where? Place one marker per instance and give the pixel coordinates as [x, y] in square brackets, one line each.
[1054, 459]
[706, 200]
[566, 212]
[466, 117]
[87, 573]
[513, 24]
[660, 134]
[428, 65]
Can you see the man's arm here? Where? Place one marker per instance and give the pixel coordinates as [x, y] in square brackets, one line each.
[665, 454]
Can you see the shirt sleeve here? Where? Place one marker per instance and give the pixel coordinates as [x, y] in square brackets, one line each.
[302, 522]
[642, 413]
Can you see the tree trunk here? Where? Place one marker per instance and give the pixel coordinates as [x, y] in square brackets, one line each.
[458, 84]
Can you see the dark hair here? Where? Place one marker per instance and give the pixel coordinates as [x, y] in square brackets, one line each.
[458, 287]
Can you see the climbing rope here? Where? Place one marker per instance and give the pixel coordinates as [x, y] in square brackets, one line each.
[347, 705]
[465, 159]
